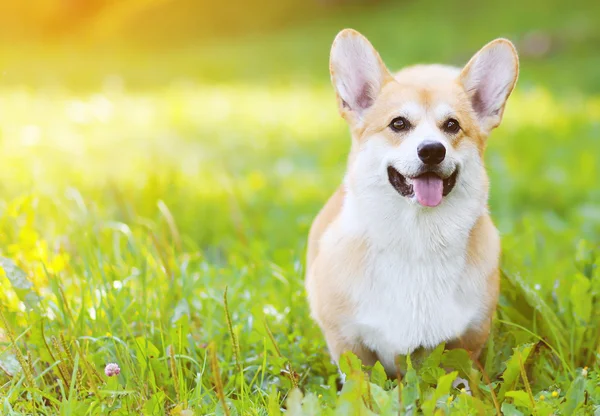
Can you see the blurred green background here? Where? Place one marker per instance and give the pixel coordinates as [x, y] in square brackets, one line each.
[156, 152]
[156, 42]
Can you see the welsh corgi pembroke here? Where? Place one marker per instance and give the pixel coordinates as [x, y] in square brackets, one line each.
[404, 255]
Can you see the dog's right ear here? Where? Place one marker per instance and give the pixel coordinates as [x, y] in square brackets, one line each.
[489, 78]
[357, 73]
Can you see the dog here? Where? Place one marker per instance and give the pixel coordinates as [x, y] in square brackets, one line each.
[404, 255]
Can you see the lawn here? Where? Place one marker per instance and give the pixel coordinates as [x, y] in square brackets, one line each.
[154, 208]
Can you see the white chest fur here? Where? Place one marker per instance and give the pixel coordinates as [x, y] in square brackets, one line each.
[416, 288]
[403, 304]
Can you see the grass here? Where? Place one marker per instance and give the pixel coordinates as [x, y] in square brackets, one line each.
[162, 225]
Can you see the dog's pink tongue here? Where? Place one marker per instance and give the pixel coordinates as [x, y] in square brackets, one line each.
[428, 190]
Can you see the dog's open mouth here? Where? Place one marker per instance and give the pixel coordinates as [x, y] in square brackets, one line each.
[428, 188]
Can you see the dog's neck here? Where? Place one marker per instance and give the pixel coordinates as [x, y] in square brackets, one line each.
[391, 221]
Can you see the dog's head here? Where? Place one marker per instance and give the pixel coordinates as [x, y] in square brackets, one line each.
[420, 133]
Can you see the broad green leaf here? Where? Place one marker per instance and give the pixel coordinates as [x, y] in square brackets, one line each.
[310, 405]
[351, 390]
[434, 358]
[574, 397]
[510, 410]
[520, 398]
[352, 394]
[465, 404]
[344, 408]
[349, 363]
[513, 369]
[378, 375]
[431, 375]
[459, 360]
[544, 409]
[444, 384]
[380, 396]
[393, 407]
[418, 357]
[430, 370]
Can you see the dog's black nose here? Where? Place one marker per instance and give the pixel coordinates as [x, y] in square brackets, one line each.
[431, 153]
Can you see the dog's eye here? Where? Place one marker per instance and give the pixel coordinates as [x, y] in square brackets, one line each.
[451, 126]
[399, 124]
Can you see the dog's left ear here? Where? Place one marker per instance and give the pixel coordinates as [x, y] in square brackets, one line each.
[488, 79]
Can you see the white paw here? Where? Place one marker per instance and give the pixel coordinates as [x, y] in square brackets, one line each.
[462, 384]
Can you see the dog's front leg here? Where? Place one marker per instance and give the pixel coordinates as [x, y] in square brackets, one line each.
[338, 345]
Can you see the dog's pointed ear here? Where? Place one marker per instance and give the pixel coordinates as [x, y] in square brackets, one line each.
[357, 73]
[488, 79]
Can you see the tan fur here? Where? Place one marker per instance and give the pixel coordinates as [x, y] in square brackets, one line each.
[329, 306]
[328, 258]
[483, 243]
[428, 85]
[321, 222]
[326, 276]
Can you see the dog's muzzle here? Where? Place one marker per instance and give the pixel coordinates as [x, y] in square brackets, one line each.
[429, 187]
